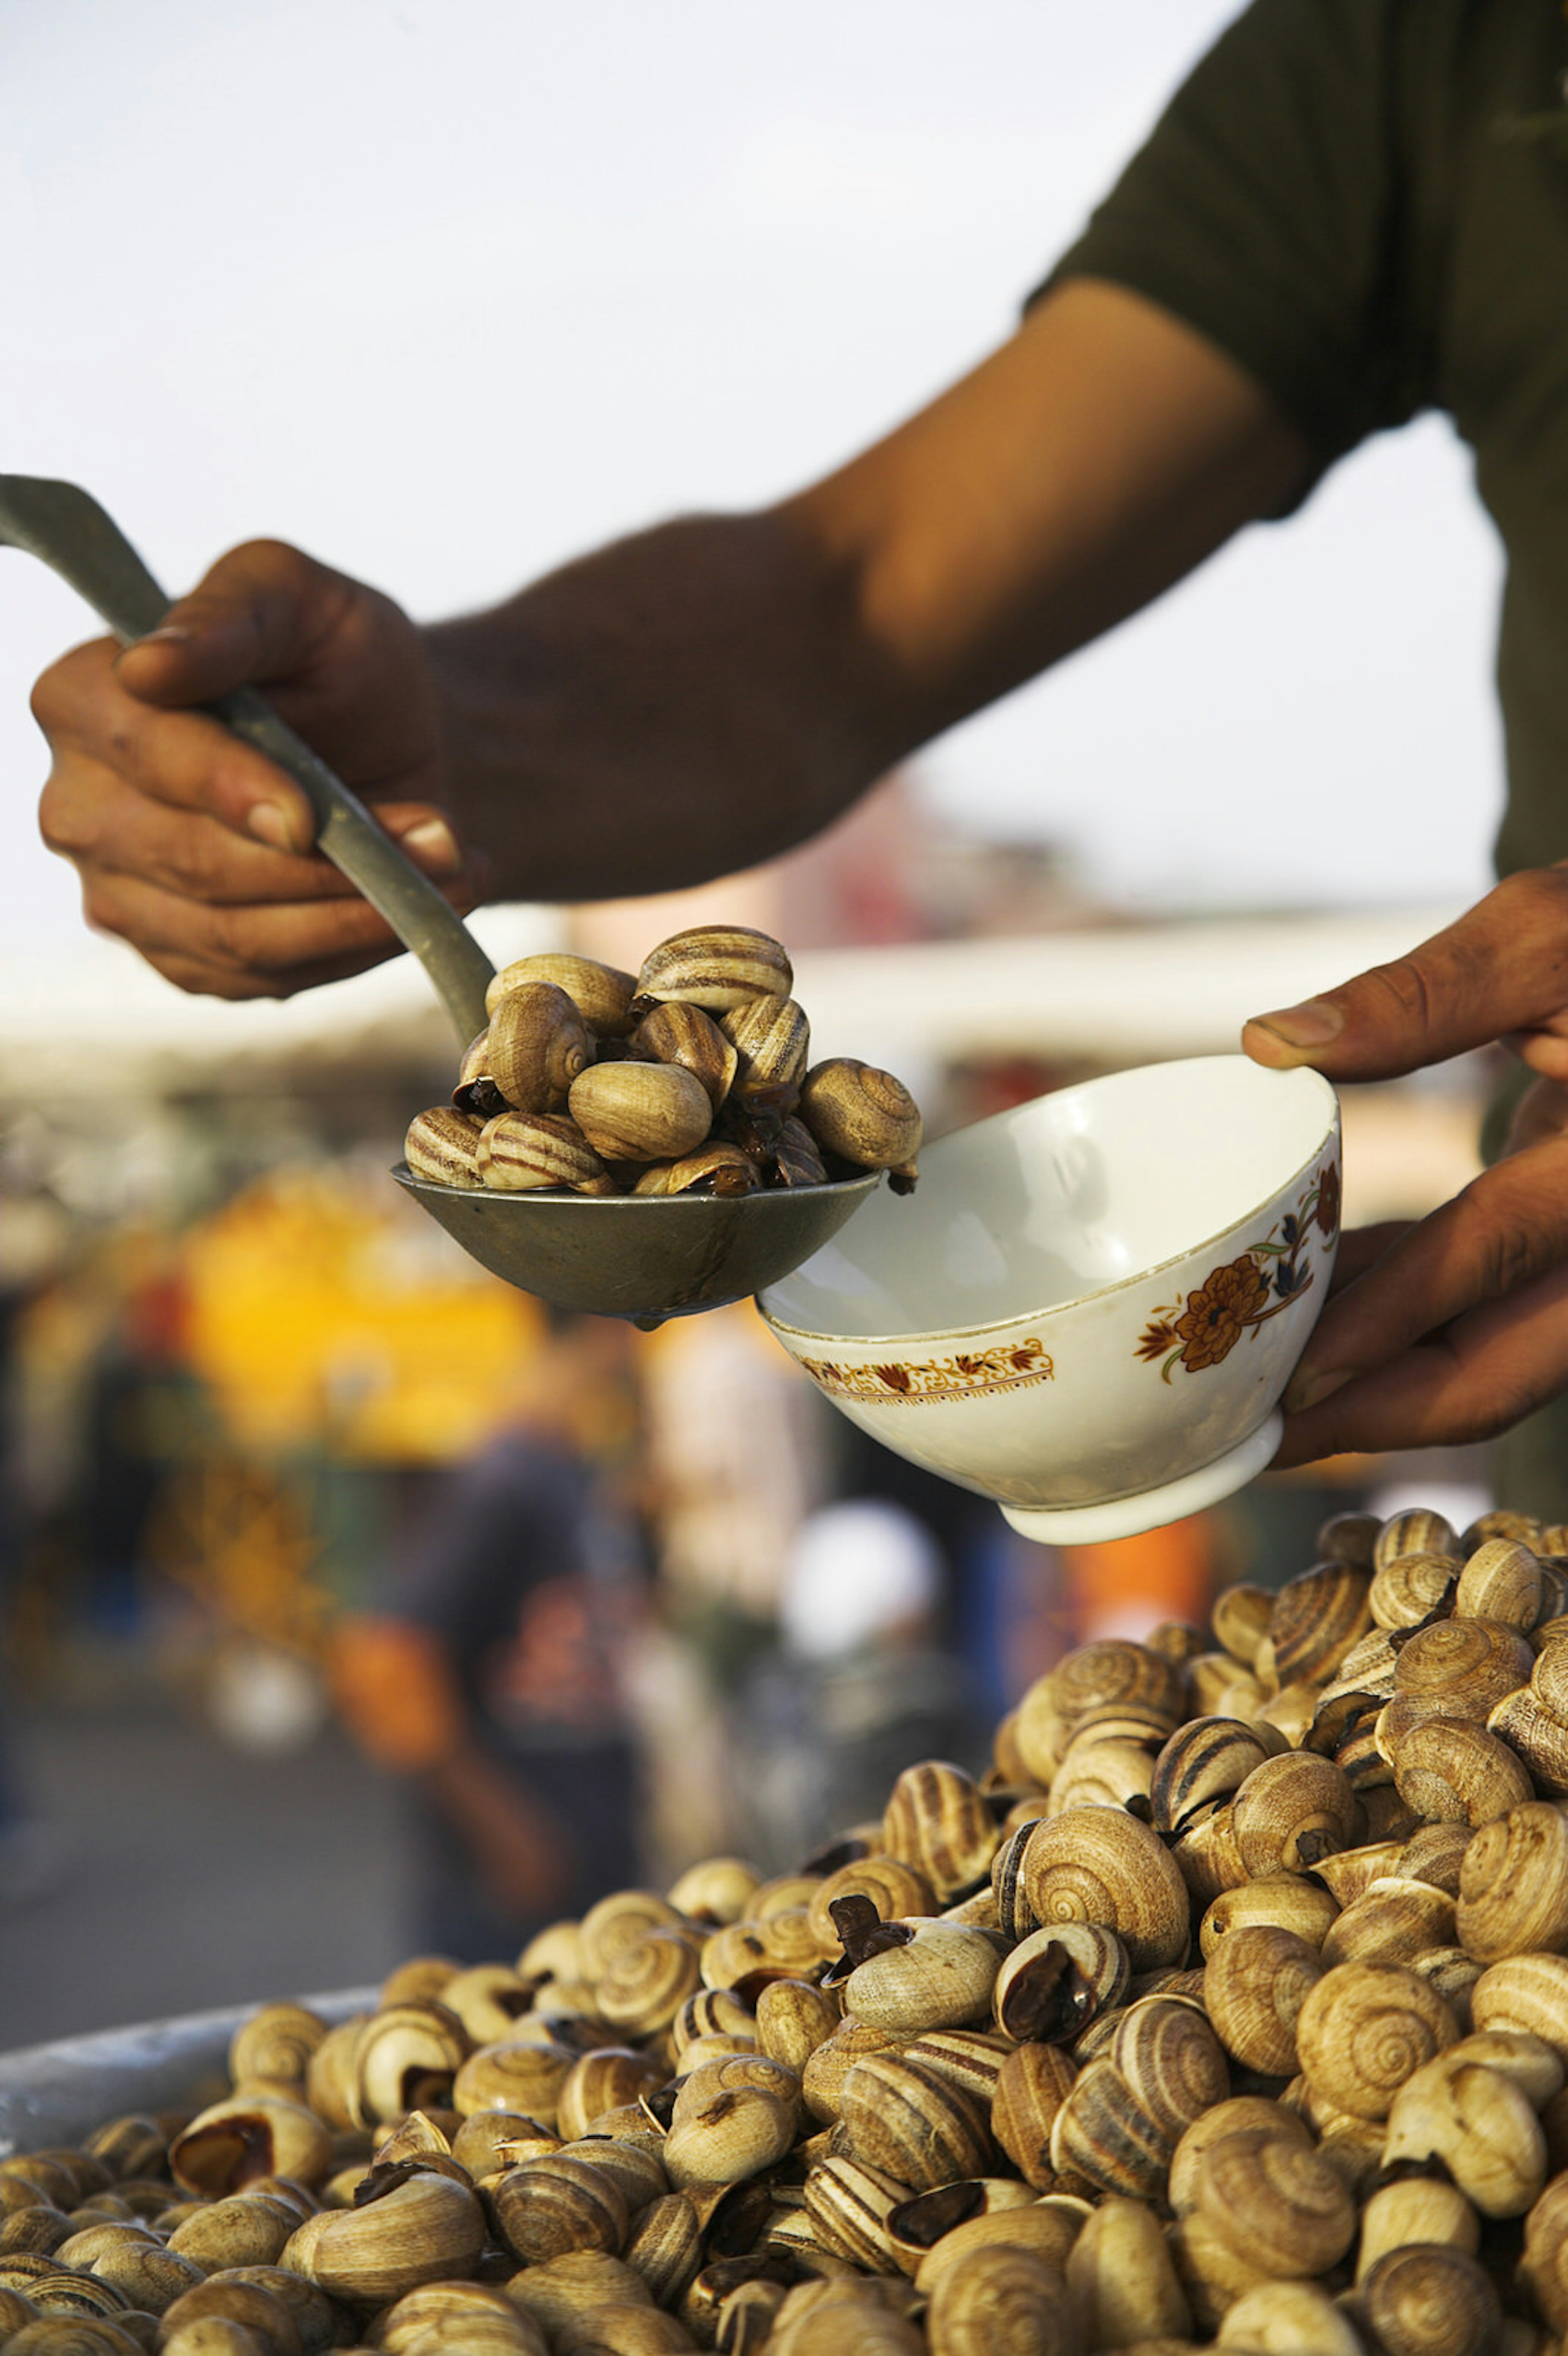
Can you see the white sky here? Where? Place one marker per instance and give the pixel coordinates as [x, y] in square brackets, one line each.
[449, 289]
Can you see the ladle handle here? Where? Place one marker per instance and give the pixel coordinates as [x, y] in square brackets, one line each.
[67, 529]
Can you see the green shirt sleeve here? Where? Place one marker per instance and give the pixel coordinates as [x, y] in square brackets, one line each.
[1268, 210]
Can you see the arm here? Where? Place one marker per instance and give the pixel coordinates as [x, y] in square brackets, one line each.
[682, 703]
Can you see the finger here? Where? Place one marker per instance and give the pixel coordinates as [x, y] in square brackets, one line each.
[88, 817]
[1360, 1249]
[1502, 967]
[264, 951]
[1477, 1378]
[1508, 1228]
[262, 613]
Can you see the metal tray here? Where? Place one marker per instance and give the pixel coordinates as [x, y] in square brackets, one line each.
[57, 2093]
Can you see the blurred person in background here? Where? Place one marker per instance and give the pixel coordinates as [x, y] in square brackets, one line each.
[1352, 212]
[863, 1683]
[492, 1681]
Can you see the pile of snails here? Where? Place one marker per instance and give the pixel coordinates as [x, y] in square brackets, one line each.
[692, 1076]
[1227, 2009]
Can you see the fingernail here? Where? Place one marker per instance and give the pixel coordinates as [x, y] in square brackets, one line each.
[168, 634]
[433, 845]
[269, 822]
[1312, 1024]
[1309, 1386]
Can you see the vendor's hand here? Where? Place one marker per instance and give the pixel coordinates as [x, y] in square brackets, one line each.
[1454, 1328]
[193, 847]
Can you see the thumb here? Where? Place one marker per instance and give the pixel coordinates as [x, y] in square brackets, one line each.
[261, 616]
[1502, 967]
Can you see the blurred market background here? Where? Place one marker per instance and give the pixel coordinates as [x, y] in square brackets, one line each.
[446, 292]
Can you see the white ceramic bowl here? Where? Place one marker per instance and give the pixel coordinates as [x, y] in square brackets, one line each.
[1091, 1306]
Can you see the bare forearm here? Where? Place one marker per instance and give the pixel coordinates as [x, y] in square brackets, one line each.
[703, 695]
[681, 704]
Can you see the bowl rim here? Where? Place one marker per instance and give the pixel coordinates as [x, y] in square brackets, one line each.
[997, 1325]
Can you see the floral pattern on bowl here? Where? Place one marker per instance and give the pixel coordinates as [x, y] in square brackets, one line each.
[1236, 1298]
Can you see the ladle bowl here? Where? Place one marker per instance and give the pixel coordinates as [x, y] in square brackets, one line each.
[646, 1257]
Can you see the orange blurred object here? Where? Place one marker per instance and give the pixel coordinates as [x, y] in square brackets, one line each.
[1124, 1587]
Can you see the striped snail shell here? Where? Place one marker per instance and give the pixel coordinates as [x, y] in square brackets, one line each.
[864, 1115]
[1363, 2029]
[937, 1821]
[849, 2203]
[1513, 1884]
[1254, 1986]
[1463, 1667]
[1537, 1736]
[520, 1152]
[1056, 1981]
[1289, 1899]
[644, 1987]
[1418, 1531]
[683, 1034]
[1001, 2301]
[1316, 1617]
[770, 1039]
[1428, 2301]
[1454, 1771]
[537, 1044]
[1480, 2124]
[1205, 1759]
[1501, 1581]
[1291, 1810]
[1394, 1921]
[443, 1147]
[556, 2204]
[601, 993]
[1406, 1590]
[894, 1888]
[1031, 2086]
[715, 967]
[1097, 1865]
[905, 2119]
[1276, 2203]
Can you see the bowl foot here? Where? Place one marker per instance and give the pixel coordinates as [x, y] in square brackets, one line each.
[1150, 1509]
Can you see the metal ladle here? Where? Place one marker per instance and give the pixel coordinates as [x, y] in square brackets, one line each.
[646, 1257]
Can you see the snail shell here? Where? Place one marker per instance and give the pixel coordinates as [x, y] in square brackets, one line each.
[522, 1152]
[683, 1034]
[1393, 1922]
[1434, 1854]
[830, 2063]
[443, 1147]
[941, 1978]
[1540, 1739]
[713, 2012]
[424, 2229]
[1114, 1670]
[1226, 2118]
[1286, 1900]
[1406, 1590]
[517, 2074]
[1097, 1774]
[904, 2119]
[1418, 1531]
[1480, 2124]
[1121, 2282]
[1031, 2086]
[664, 2246]
[1096, 1865]
[1207, 1855]
[644, 1987]
[1001, 2301]
[1416, 2209]
[1549, 1679]
[604, 2080]
[716, 1889]
[1349, 1537]
[745, 1956]
[1453, 1771]
[1316, 1617]
[1501, 1581]
[721, 2133]
[1427, 2301]
[1364, 2028]
[895, 1889]
[796, 1160]
[601, 993]
[714, 1169]
[232, 2143]
[1513, 1884]
[556, 2203]
[1544, 2267]
[1254, 1986]
[716, 966]
[640, 1112]
[242, 2231]
[794, 2017]
[937, 1821]
[863, 1114]
[1291, 1811]
[1463, 1667]
[275, 2046]
[1293, 2314]
[1240, 1620]
[1525, 1993]
[849, 2203]
[772, 1040]
[1275, 2203]
[1350, 1871]
[1056, 1981]
[1207, 1759]
[537, 1044]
